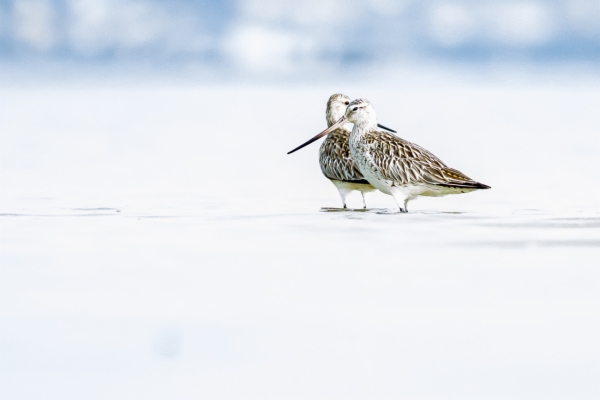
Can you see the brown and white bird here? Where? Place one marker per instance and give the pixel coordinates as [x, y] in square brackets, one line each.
[393, 165]
[334, 155]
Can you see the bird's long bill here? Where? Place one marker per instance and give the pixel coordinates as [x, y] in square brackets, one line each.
[333, 127]
[386, 128]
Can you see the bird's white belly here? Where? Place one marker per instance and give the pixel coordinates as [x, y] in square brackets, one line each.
[370, 172]
[350, 186]
[376, 180]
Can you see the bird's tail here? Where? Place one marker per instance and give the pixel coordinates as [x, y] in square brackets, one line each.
[457, 179]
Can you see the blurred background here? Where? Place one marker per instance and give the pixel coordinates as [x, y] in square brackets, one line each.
[304, 39]
[157, 242]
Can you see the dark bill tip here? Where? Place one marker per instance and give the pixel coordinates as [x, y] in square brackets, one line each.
[386, 128]
[340, 122]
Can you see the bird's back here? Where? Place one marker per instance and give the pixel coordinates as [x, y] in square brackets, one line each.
[406, 163]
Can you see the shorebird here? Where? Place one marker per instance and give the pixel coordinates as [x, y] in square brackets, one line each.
[334, 155]
[393, 165]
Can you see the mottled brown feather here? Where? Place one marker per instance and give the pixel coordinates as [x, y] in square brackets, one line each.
[405, 163]
[335, 159]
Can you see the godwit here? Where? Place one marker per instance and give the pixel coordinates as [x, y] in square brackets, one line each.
[393, 165]
[334, 155]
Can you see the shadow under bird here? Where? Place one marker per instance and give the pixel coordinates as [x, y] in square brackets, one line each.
[334, 155]
[393, 165]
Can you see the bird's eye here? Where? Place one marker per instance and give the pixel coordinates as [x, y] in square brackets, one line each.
[346, 103]
[355, 108]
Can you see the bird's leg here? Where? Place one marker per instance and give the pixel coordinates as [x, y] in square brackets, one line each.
[364, 200]
[400, 198]
[343, 194]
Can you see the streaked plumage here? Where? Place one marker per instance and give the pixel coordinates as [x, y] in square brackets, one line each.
[396, 166]
[404, 163]
[393, 165]
[334, 154]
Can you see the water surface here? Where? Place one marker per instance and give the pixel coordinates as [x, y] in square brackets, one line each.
[153, 246]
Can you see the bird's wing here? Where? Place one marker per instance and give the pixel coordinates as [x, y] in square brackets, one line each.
[404, 162]
[335, 160]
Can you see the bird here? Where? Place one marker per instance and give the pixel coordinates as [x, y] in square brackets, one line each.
[393, 165]
[334, 154]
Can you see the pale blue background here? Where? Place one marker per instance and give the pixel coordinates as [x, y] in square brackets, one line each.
[278, 38]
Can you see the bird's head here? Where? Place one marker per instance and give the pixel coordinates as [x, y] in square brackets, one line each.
[336, 107]
[361, 112]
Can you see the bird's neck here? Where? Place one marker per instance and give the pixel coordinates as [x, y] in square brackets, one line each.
[331, 119]
[361, 128]
[333, 115]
